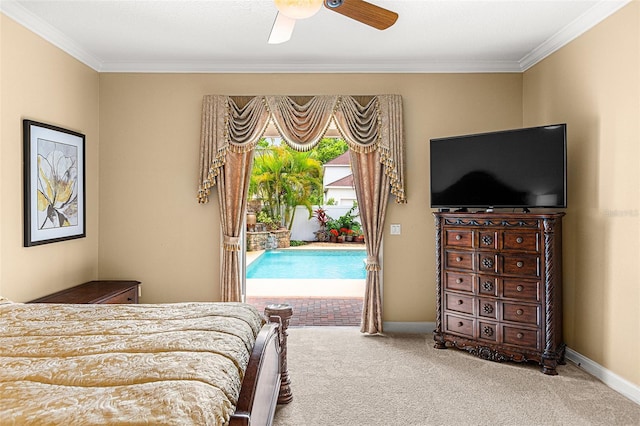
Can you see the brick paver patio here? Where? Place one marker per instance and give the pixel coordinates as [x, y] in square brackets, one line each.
[317, 311]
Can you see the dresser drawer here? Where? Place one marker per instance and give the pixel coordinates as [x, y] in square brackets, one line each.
[487, 285]
[458, 260]
[459, 282]
[487, 240]
[458, 325]
[130, 296]
[459, 303]
[488, 308]
[458, 238]
[488, 331]
[522, 337]
[526, 266]
[527, 314]
[521, 290]
[521, 241]
[488, 263]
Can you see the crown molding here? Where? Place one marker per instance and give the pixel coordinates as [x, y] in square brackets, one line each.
[598, 13]
[24, 17]
[407, 66]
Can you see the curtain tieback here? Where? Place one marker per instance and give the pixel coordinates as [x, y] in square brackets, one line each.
[372, 263]
[231, 243]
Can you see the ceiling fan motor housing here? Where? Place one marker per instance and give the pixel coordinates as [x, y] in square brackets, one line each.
[333, 3]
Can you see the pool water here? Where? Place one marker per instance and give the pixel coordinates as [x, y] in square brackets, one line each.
[309, 264]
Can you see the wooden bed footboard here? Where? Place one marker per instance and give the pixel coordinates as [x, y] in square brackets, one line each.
[261, 384]
[266, 380]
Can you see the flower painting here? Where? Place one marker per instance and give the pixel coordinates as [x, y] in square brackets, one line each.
[57, 184]
[54, 184]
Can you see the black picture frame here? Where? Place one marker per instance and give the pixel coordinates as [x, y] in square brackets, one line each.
[54, 184]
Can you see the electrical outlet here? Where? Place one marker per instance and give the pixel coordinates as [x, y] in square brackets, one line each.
[396, 229]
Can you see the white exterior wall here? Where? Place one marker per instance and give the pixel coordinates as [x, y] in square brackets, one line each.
[342, 195]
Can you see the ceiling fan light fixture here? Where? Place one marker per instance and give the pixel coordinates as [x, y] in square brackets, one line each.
[298, 9]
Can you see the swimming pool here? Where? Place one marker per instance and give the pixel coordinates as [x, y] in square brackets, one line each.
[309, 264]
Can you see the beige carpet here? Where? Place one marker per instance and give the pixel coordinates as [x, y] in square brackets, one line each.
[341, 377]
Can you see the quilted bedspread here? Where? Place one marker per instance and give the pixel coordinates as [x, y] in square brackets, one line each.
[177, 364]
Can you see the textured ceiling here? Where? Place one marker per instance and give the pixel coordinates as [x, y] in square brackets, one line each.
[231, 36]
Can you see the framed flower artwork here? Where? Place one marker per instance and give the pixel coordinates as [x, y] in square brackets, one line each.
[54, 184]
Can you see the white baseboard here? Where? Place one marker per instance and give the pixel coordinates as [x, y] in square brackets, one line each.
[607, 377]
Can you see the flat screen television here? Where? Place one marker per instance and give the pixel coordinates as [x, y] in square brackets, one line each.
[520, 168]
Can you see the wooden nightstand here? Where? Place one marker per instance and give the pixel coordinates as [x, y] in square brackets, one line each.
[96, 292]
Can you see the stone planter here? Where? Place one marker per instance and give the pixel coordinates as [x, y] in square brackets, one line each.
[257, 240]
[266, 240]
[283, 236]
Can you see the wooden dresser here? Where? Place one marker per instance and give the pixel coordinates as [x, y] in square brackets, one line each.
[499, 286]
[96, 292]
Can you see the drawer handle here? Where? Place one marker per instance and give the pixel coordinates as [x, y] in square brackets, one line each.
[519, 264]
[459, 281]
[460, 302]
[519, 288]
[519, 335]
[129, 299]
[458, 237]
[460, 323]
[519, 312]
[519, 240]
[458, 259]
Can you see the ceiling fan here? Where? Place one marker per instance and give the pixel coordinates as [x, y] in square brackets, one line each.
[291, 10]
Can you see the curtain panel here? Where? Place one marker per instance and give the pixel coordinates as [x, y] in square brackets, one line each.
[371, 126]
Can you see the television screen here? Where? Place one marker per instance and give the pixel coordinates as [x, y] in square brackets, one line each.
[521, 168]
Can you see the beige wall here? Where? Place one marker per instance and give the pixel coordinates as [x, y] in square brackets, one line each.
[152, 229]
[593, 84]
[42, 83]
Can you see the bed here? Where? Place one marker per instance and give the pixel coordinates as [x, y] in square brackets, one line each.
[183, 363]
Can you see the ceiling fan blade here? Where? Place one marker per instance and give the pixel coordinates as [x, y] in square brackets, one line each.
[282, 29]
[365, 12]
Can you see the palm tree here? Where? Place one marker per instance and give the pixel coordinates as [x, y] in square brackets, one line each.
[266, 180]
[304, 176]
[284, 178]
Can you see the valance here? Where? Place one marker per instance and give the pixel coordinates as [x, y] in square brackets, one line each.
[366, 123]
